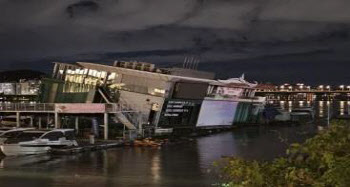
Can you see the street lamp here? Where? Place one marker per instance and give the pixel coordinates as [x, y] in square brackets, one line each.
[341, 87]
[328, 87]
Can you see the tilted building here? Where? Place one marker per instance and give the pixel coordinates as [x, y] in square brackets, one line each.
[163, 98]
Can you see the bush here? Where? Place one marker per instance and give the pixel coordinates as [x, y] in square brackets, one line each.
[323, 160]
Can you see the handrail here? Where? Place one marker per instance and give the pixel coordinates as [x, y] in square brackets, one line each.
[50, 107]
[27, 107]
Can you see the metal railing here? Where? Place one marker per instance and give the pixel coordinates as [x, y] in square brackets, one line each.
[119, 107]
[50, 107]
[237, 98]
[132, 115]
[44, 107]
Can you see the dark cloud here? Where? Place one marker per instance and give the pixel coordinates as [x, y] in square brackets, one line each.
[81, 8]
[223, 32]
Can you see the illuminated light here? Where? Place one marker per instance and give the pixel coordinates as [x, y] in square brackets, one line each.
[103, 74]
[321, 113]
[93, 73]
[321, 103]
[301, 103]
[111, 76]
[98, 74]
[156, 90]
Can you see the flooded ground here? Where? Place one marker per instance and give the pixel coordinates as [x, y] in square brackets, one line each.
[185, 164]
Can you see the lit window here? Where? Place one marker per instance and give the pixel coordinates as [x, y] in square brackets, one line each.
[156, 90]
[103, 74]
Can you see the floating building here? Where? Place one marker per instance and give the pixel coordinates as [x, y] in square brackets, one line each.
[167, 98]
[148, 97]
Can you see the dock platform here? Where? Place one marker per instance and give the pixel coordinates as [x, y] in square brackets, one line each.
[87, 148]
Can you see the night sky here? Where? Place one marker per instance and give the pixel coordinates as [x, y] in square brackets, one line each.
[268, 40]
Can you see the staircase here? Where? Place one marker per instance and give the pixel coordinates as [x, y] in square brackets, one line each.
[129, 119]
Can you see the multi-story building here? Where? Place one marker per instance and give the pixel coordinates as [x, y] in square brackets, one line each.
[165, 98]
[24, 91]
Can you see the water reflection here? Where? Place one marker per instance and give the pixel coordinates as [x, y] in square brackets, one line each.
[184, 164]
[321, 108]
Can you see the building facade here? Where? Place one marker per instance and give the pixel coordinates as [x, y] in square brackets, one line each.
[164, 98]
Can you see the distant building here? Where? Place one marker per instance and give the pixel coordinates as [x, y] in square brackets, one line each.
[24, 91]
[266, 87]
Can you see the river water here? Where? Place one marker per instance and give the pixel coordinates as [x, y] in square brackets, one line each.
[184, 164]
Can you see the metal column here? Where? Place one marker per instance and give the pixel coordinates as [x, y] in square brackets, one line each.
[18, 119]
[105, 126]
[48, 121]
[56, 121]
[39, 123]
[31, 121]
[76, 123]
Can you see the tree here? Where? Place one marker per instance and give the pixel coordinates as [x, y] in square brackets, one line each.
[323, 160]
